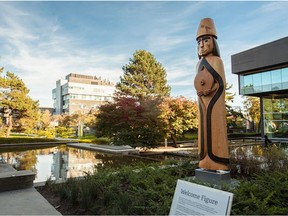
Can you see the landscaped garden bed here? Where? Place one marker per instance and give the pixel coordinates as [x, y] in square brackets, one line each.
[148, 189]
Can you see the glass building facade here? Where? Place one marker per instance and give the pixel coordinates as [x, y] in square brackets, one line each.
[268, 81]
[263, 72]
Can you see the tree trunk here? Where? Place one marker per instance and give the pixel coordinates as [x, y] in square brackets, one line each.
[173, 140]
[9, 126]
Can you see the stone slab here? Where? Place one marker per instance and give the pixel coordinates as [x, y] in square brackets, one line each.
[105, 148]
[6, 168]
[11, 179]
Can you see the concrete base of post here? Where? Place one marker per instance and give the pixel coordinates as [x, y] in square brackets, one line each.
[213, 177]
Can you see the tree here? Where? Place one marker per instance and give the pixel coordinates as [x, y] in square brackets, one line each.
[90, 120]
[134, 116]
[252, 108]
[129, 121]
[28, 122]
[179, 115]
[15, 103]
[233, 114]
[143, 77]
[46, 119]
[229, 97]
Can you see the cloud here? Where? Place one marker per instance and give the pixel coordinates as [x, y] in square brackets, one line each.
[268, 7]
[37, 44]
[44, 69]
[12, 23]
[37, 52]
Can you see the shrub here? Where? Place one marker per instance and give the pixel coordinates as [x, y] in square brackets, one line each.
[245, 163]
[264, 194]
[48, 132]
[64, 132]
[275, 158]
[136, 190]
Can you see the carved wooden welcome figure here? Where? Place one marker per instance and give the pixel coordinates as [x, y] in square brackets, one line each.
[210, 86]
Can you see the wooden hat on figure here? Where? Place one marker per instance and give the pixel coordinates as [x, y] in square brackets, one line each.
[206, 27]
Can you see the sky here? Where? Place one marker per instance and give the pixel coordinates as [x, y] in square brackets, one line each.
[43, 41]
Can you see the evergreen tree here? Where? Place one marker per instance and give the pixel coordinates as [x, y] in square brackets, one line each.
[143, 77]
[15, 103]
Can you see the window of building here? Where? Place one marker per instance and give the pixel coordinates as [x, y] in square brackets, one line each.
[76, 87]
[275, 117]
[257, 82]
[273, 80]
[276, 80]
[266, 81]
[284, 73]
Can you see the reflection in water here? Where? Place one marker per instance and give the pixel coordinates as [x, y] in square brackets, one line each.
[62, 162]
[71, 162]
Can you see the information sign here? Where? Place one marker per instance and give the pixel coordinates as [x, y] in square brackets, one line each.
[194, 199]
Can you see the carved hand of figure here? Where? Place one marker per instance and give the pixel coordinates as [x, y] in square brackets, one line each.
[203, 93]
[200, 93]
[207, 92]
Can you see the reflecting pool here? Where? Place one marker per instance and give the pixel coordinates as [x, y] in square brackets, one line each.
[62, 162]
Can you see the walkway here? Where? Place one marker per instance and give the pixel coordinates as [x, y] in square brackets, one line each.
[18, 196]
[25, 202]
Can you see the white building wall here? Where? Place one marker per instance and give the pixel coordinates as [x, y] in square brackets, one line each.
[73, 96]
[57, 96]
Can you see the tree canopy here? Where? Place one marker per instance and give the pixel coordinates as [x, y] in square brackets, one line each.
[15, 103]
[179, 115]
[143, 114]
[129, 121]
[143, 77]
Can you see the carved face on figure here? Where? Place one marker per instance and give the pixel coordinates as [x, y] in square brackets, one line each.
[205, 46]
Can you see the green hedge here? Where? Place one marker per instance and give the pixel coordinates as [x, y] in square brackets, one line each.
[24, 140]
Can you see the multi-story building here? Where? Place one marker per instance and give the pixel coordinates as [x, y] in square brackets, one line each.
[263, 72]
[81, 92]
